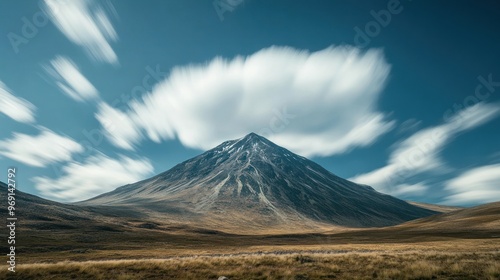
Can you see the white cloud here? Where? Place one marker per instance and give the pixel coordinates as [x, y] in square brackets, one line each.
[70, 80]
[85, 23]
[40, 150]
[420, 152]
[409, 189]
[120, 129]
[479, 185]
[97, 175]
[381, 178]
[319, 103]
[14, 107]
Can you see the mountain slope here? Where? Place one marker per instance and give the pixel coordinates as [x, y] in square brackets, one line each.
[436, 207]
[482, 217]
[252, 182]
[35, 213]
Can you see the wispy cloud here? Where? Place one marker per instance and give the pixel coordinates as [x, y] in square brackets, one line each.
[70, 80]
[420, 152]
[14, 107]
[319, 103]
[405, 190]
[39, 150]
[476, 186]
[120, 130]
[85, 23]
[97, 175]
[409, 126]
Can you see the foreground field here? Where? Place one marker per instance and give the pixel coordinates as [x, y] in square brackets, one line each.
[57, 241]
[447, 259]
[313, 265]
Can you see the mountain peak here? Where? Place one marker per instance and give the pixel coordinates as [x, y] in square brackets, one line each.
[256, 144]
[251, 180]
[254, 137]
[250, 143]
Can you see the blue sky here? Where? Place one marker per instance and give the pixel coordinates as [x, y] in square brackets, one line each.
[400, 95]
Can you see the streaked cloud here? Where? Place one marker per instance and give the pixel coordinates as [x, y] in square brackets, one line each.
[14, 107]
[316, 104]
[476, 186]
[409, 126]
[120, 129]
[70, 80]
[86, 24]
[39, 150]
[421, 151]
[405, 190]
[97, 175]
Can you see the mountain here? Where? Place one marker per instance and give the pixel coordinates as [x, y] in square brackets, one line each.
[485, 217]
[35, 213]
[252, 183]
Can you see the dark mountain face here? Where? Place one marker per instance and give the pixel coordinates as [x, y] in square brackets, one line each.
[252, 181]
[35, 213]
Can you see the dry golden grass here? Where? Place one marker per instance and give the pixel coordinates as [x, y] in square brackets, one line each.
[460, 259]
[493, 271]
[290, 266]
[160, 250]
